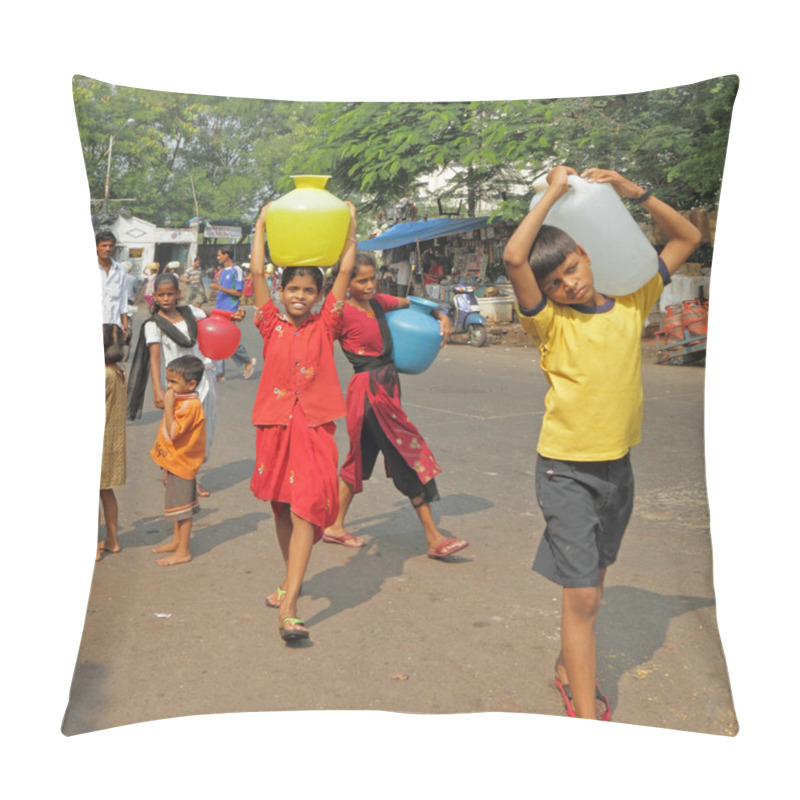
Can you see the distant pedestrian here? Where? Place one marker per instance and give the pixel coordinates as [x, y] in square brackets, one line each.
[179, 450]
[112, 469]
[151, 271]
[114, 283]
[402, 269]
[298, 399]
[247, 291]
[229, 286]
[591, 353]
[193, 283]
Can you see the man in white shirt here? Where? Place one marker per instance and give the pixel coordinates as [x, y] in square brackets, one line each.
[113, 280]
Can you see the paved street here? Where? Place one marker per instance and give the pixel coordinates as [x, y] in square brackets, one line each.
[476, 633]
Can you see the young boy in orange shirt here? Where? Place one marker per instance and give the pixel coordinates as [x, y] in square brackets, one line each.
[179, 450]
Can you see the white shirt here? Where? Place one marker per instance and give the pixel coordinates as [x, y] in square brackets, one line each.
[207, 388]
[403, 272]
[115, 300]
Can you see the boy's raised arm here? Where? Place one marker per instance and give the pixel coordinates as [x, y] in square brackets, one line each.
[261, 294]
[518, 248]
[682, 234]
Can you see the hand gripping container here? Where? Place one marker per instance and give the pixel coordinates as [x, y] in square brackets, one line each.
[593, 214]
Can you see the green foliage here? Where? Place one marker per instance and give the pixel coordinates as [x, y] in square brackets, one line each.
[228, 153]
[235, 154]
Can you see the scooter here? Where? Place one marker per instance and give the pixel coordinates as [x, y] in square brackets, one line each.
[465, 315]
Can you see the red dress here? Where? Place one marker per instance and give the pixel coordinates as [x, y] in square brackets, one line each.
[297, 400]
[377, 388]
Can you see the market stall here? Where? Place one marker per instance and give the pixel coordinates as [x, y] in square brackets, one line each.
[442, 252]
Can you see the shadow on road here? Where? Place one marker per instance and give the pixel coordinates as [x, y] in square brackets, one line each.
[150, 531]
[217, 479]
[394, 537]
[632, 626]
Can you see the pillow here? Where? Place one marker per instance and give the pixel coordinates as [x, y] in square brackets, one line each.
[400, 631]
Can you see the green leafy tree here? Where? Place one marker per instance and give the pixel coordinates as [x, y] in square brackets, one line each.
[186, 155]
[674, 139]
[381, 152]
[222, 158]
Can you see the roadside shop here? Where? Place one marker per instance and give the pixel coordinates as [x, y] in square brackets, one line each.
[444, 252]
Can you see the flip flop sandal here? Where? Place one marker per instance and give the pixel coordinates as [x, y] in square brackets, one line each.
[280, 592]
[566, 696]
[292, 634]
[447, 543]
[345, 540]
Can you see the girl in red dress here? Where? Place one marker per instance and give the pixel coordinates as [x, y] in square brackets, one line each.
[376, 421]
[298, 399]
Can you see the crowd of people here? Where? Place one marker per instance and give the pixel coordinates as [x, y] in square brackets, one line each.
[591, 354]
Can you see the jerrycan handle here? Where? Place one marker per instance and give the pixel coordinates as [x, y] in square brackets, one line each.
[540, 184]
[575, 182]
[578, 184]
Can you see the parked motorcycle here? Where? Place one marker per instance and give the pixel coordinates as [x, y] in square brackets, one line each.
[465, 315]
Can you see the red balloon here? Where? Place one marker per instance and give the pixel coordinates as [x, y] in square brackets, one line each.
[217, 336]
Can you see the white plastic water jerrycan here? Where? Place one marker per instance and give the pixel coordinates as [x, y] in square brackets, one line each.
[593, 214]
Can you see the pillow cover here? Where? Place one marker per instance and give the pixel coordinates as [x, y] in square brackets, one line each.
[174, 176]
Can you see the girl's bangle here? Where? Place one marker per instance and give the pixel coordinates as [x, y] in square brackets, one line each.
[642, 197]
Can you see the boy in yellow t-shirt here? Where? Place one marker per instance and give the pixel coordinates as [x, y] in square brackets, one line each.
[179, 450]
[591, 353]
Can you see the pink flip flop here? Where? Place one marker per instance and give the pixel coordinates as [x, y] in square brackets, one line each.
[447, 548]
[566, 696]
[348, 540]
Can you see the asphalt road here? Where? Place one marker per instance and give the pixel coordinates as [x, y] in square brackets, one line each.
[390, 628]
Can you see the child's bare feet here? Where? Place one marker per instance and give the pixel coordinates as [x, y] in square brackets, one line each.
[174, 560]
[109, 547]
[167, 547]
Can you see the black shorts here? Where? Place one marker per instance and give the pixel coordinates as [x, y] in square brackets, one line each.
[586, 507]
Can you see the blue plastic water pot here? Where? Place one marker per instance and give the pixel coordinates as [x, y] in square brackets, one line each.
[416, 336]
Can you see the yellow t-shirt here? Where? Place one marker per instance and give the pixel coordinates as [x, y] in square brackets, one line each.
[592, 358]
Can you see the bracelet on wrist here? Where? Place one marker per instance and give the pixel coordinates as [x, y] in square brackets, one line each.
[642, 197]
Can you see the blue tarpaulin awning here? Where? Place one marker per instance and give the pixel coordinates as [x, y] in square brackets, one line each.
[409, 232]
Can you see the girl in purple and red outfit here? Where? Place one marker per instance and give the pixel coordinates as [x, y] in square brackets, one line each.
[298, 399]
[376, 421]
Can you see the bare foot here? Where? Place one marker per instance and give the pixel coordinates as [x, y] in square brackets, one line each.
[109, 547]
[173, 560]
[99, 554]
[202, 491]
[167, 547]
